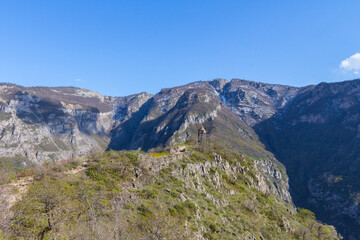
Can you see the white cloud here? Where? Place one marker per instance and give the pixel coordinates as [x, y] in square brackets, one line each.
[351, 64]
[78, 79]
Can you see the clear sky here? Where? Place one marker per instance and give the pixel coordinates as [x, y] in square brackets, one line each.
[122, 47]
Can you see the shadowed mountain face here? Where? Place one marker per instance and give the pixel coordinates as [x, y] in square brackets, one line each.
[226, 109]
[174, 116]
[317, 137]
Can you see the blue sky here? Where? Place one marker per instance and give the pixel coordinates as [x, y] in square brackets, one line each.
[122, 47]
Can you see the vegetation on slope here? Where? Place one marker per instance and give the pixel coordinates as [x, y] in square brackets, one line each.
[317, 138]
[133, 195]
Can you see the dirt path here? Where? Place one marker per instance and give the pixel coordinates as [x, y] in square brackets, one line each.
[76, 170]
[10, 193]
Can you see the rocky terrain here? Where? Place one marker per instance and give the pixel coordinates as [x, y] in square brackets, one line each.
[186, 194]
[313, 131]
[47, 124]
[317, 137]
[253, 101]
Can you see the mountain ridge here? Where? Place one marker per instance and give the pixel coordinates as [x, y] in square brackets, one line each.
[253, 118]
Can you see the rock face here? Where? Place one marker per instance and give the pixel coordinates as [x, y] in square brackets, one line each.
[253, 101]
[45, 124]
[317, 137]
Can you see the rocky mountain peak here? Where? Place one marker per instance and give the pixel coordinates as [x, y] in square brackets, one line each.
[253, 101]
[219, 84]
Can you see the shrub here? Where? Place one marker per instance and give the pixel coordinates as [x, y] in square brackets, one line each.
[185, 208]
[149, 193]
[144, 210]
[305, 214]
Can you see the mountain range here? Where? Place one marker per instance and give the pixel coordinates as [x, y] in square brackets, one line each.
[311, 133]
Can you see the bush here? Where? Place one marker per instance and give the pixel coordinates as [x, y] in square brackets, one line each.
[185, 208]
[6, 176]
[144, 210]
[305, 214]
[149, 193]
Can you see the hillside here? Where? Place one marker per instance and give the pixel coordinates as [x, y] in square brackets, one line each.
[191, 192]
[317, 138]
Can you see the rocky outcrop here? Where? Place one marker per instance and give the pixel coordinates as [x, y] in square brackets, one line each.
[275, 177]
[260, 175]
[214, 180]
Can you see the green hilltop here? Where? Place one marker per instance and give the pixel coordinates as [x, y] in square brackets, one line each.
[184, 192]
